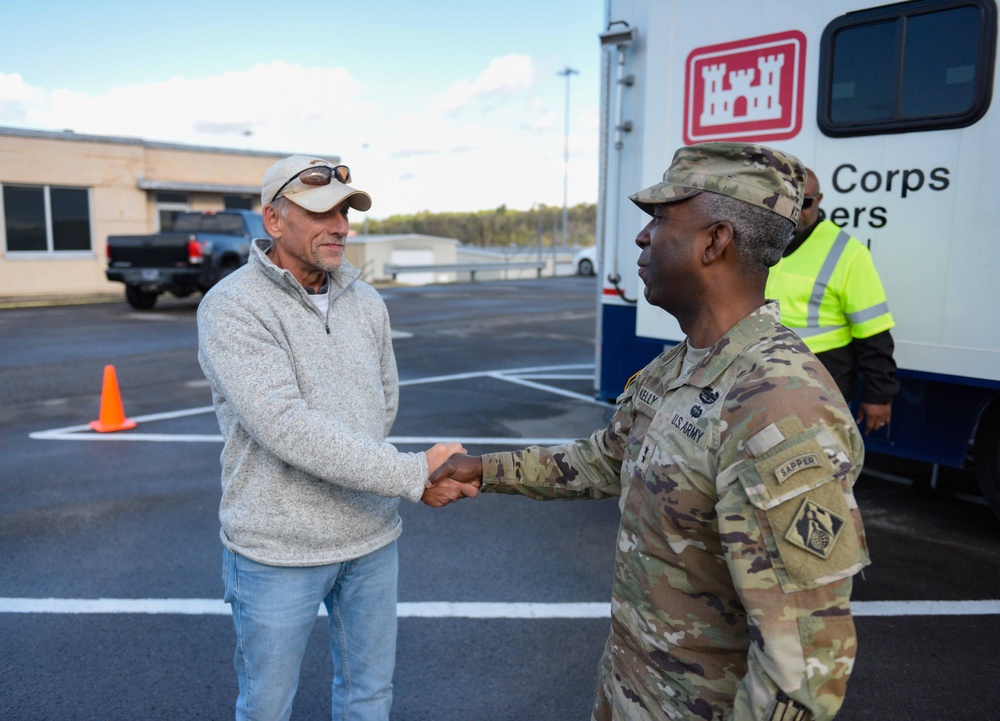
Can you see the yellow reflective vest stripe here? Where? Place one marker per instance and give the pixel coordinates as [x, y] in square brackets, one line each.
[829, 290]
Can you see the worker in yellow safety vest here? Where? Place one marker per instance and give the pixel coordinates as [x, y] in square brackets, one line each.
[831, 296]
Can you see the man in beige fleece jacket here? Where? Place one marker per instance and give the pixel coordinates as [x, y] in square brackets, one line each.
[299, 355]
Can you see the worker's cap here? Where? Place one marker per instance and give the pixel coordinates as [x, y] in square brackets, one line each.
[311, 183]
[755, 174]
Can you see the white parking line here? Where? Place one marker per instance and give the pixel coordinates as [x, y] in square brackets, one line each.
[446, 609]
[519, 376]
[502, 374]
[522, 380]
[523, 376]
[926, 608]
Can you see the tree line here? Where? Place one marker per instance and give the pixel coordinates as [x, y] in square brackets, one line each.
[542, 225]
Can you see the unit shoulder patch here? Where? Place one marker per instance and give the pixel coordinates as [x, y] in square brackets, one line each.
[803, 512]
[815, 529]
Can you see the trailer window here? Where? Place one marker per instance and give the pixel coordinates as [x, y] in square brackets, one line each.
[921, 65]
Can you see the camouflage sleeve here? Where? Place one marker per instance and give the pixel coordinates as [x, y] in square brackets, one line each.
[588, 468]
[793, 539]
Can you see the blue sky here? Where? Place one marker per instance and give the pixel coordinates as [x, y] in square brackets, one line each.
[437, 105]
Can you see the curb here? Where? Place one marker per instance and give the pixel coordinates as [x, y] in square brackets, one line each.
[45, 301]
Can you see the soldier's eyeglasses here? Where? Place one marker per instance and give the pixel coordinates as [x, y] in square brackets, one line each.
[807, 201]
[319, 175]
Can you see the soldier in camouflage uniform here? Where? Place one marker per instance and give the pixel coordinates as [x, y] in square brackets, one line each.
[733, 456]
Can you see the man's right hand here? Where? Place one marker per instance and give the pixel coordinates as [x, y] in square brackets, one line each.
[467, 469]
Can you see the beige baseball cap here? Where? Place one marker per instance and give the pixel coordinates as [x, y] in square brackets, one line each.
[283, 180]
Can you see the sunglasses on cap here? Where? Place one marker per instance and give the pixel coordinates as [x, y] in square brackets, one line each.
[807, 201]
[319, 175]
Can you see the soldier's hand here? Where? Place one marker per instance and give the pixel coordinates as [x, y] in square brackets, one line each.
[439, 452]
[466, 469]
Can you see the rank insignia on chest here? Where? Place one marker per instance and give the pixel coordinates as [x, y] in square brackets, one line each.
[815, 529]
[642, 460]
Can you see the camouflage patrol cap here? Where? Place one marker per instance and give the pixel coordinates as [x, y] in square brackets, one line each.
[755, 174]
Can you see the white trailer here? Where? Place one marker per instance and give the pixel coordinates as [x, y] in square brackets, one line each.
[891, 106]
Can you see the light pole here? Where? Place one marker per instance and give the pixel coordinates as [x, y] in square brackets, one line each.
[566, 72]
[536, 210]
[364, 225]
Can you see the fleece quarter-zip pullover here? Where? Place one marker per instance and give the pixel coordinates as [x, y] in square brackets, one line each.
[304, 403]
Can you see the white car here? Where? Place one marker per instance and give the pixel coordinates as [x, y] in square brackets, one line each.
[585, 261]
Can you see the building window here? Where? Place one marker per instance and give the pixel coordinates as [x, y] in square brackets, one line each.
[924, 65]
[43, 219]
[168, 207]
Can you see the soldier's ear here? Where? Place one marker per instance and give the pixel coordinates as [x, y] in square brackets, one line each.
[720, 237]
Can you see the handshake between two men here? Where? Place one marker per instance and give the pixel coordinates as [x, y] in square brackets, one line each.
[453, 475]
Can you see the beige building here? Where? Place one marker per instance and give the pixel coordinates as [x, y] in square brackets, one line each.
[62, 194]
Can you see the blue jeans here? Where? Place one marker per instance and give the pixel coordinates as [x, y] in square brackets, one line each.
[274, 610]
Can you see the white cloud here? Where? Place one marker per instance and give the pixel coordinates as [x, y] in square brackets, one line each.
[436, 158]
[12, 86]
[278, 104]
[504, 76]
[17, 98]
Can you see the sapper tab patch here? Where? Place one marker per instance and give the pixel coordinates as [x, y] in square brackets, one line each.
[794, 465]
[815, 529]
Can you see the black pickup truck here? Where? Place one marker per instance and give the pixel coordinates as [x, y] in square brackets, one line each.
[201, 249]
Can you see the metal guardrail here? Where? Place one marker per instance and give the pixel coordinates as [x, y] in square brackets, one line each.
[394, 269]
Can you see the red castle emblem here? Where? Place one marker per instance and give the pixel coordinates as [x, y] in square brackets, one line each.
[745, 90]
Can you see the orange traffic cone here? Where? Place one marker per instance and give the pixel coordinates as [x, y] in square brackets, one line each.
[112, 412]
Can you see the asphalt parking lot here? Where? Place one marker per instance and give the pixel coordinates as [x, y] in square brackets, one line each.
[110, 582]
